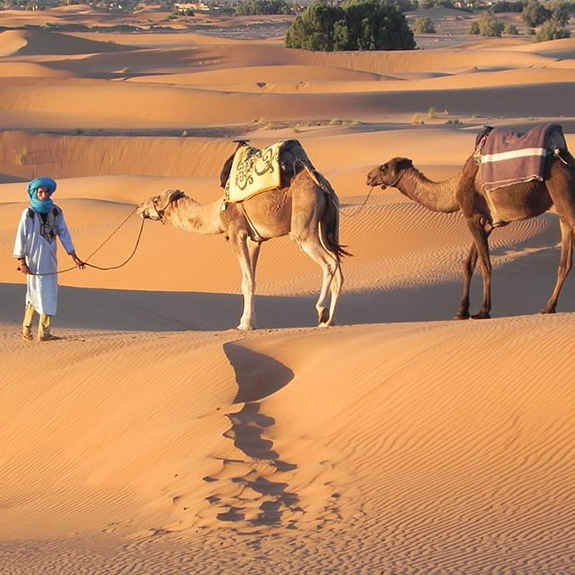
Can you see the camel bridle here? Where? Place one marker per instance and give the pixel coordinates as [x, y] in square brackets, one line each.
[384, 185]
[160, 213]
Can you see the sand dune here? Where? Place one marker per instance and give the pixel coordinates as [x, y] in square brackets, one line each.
[30, 70]
[309, 471]
[156, 439]
[86, 105]
[39, 43]
[72, 156]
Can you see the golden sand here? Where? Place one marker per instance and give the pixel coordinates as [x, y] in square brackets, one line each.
[155, 439]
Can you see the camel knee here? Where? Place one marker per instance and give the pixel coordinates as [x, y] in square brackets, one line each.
[248, 286]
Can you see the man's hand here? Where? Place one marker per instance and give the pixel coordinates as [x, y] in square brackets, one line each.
[78, 261]
[24, 268]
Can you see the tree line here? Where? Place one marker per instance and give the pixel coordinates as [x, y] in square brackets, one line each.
[381, 24]
[351, 25]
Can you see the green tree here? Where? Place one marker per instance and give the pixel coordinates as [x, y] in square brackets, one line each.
[490, 25]
[511, 30]
[314, 29]
[374, 25]
[534, 14]
[254, 7]
[473, 28]
[424, 26]
[551, 30]
[559, 12]
[405, 5]
[354, 25]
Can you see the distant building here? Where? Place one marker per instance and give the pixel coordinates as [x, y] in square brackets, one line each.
[187, 7]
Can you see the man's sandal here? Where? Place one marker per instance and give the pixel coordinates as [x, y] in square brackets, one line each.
[27, 336]
[49, 337]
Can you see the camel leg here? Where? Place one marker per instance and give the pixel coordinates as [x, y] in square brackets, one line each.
[468, 267]
[480, 235]
[335, 287]
[332, 277]
[243, 252]
[561, 188]
[565, 264]
[254, 253]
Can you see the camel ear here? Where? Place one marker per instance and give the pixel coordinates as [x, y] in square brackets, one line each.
[404, 163]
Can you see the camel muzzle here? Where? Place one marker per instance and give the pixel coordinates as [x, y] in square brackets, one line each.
[373, 182]
[374, 179]
[143, 215]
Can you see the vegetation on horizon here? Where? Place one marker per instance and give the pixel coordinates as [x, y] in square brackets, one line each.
[487, 25]
[262, 7]
[551, 30]
[424, 26]
[352, 25]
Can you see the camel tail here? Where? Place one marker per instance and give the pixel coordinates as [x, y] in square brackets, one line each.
[329, 225]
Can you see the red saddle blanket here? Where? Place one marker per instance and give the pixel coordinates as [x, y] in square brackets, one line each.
[508, 158]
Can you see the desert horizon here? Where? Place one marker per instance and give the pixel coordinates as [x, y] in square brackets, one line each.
[156, 438]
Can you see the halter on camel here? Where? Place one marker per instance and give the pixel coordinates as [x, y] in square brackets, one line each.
[160, 213]
[383, 185]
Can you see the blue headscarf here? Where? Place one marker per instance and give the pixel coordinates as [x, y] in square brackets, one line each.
[42, 207]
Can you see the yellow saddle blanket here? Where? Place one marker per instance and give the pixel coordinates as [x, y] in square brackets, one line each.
[253, 171]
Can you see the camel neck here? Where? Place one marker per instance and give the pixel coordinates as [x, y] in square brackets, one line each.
[435, 196]
[192, 216]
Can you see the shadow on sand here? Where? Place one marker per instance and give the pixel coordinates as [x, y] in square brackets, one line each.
[118, 310]
[261, 499]
[127, 310]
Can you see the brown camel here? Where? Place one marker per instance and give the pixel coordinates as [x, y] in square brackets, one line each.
[305, 210]
[464, 192]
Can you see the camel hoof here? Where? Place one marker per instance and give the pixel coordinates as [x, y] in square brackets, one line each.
[546, 311]
[462, 316]
[481, 316]
[246, 327]
[323, 315]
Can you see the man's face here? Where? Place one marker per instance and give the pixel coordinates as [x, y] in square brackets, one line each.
[42, 194]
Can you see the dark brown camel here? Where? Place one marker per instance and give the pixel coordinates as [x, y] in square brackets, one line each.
[464, 192]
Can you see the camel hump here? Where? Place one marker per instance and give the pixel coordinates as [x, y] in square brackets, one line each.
[509, 158]
[496, 140]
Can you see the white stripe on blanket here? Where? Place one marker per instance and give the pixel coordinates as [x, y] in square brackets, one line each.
[512, 155]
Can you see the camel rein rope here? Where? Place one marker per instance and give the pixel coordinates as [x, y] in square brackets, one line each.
[99, 248]
[357, 210]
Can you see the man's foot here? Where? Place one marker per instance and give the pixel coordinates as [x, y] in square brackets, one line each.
[27, 336]
[49, 337]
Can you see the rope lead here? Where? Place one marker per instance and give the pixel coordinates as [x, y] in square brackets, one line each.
[99, 248]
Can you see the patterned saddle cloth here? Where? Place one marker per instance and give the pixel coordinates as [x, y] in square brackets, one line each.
[508, 158]
[250, 171]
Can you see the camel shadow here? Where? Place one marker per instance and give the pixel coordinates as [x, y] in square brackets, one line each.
[261, 499]
[139, 311]
[257, 375]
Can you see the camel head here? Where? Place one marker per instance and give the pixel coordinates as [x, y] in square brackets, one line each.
[155, 207]
[387, 175]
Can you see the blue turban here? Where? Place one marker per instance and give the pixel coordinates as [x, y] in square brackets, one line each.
[42, 207]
